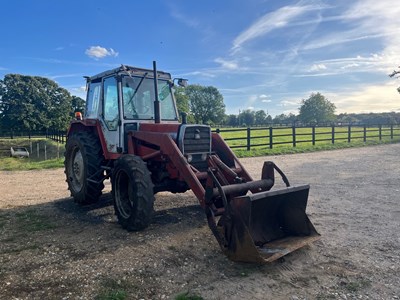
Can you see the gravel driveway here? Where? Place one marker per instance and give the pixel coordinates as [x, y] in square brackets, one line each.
[51, 248]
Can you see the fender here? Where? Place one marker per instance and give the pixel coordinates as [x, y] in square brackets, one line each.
[94, 126]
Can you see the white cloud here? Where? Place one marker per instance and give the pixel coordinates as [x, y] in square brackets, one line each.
[97, 52]
[290, 103]
[317, 67]
[265, 98]
[54, 77]
[197, 73]
[250, 108]
[366, 20]
[368, 98]
[231, 65]
[2, 69]
[367, 64]
[271, 21]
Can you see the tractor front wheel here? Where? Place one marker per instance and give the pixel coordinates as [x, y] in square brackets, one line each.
[132, 190]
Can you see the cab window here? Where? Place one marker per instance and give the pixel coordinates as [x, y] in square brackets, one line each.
[93, 100]
[111, 112]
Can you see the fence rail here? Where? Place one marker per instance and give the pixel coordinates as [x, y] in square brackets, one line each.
[56, 135]
[248, 138]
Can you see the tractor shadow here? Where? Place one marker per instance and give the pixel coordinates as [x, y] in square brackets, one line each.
[103, 212]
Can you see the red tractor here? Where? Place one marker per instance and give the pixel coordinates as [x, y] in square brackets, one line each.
[131, 134]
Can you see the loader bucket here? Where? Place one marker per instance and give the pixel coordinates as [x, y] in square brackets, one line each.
[265, 226]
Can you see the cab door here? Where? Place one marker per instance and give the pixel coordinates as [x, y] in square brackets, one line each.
[111, 114]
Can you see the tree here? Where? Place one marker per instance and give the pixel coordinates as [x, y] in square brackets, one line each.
[397, 75]
[206, 104]
[78, 104]
[260, 117]
[33, 103]
[317, 109]
[281, 119]
[268, 120]
[346, 118]
[182, 100]
[247, 118]
[231, 120]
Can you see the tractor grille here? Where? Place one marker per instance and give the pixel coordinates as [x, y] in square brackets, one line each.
[195, 144]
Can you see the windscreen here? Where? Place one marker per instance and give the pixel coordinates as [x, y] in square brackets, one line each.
[138, 99]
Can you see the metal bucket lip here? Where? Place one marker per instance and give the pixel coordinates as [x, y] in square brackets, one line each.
[262, 195]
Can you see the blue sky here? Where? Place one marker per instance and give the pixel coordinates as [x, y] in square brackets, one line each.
[260, 54]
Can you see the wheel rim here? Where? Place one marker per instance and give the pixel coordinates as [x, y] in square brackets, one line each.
[123, 194]
[77, 170]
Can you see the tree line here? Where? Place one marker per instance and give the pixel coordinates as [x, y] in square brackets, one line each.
[36, 103]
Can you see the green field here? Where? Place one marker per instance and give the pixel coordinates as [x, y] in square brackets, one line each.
[44, 154]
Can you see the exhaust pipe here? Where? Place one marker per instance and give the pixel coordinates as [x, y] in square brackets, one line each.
[157, 116]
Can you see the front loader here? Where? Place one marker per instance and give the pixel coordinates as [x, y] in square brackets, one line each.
[131, 134]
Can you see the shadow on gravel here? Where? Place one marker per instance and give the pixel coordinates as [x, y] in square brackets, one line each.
[103, 211]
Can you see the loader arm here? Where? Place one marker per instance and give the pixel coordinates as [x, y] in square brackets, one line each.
[169, 148]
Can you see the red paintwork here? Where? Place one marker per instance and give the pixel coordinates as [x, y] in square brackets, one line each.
[178, 162]
[92, 125]
[162, 127]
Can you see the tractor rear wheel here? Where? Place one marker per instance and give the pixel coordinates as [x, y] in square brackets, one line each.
[83, 159]
[132, 190]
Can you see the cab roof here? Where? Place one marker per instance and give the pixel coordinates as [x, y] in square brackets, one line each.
[129, 70]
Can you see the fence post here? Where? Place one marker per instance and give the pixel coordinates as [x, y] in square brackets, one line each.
[313, 135]
[380, 132]
[349, 134]
[218, 130]
[391, 131]
[294, 136]
[248, 138]
[271, 143]
[365, 133]
[333, 134]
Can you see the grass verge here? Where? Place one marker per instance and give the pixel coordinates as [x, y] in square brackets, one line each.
[112, 289]
[44, 154]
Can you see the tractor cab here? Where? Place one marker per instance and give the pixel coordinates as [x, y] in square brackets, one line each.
[123, 98]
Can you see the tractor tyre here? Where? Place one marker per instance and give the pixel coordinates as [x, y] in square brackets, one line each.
[132, 191]
[83, 160]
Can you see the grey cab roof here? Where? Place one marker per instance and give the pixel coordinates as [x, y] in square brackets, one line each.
[129, 70]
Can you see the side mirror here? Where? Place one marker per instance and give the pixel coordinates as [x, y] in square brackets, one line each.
[182, 82]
